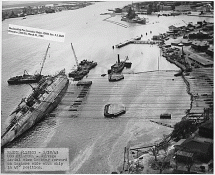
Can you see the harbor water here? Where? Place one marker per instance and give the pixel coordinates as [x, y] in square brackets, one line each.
[95, 144]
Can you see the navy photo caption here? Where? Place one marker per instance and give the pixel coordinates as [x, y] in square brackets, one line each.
[36, 159]
[36, 33]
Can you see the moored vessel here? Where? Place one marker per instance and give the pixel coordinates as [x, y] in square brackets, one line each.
[132, 17]
[44, 98]
[115, 77]
[119, 65]
[83, 68]
[114, 110]
[26, 78]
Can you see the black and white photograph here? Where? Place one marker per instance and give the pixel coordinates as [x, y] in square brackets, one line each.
[107, 87]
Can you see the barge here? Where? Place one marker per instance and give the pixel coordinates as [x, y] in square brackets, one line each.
[114, 110]
[165, 116]
[44, 99]
[115, 77]
[83, 68]
[26, 78]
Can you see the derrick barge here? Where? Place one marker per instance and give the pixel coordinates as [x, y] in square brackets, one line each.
[44, 99]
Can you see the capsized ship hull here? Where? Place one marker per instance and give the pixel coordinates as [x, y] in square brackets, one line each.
[41, 102]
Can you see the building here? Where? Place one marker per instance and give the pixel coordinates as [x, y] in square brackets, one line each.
[183, 156]
[195, 149]
[206, 129]
[200, 45]
[201, 61]
[156, 37]
[208, 27]
[165, 8]
[177, 27]
[182, 8]
[199, 35]
[210, 51]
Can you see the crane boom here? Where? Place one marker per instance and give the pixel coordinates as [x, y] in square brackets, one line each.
[184, 22]
[44, 59]
[74, 55]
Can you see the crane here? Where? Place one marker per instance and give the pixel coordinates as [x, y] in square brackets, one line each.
[184, 22]
[44, 59]
[74, 55]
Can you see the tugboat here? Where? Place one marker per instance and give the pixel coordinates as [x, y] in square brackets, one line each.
[119, 66]
[83, 68]
[132, 17]
[44, 98]
[26, 78]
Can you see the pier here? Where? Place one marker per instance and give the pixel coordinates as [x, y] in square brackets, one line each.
[114, 22]
[163, 124]
[134, 41]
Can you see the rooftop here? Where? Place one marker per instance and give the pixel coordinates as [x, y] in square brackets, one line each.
[200, 43]
[208, 124]
[183, 153]
[201, 60]
[196, 145]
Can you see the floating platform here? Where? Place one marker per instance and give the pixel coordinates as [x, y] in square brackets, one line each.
[135, 41]
[84, 83]
[165, 116]
[115, 77]
[178, 74]
[114, 110]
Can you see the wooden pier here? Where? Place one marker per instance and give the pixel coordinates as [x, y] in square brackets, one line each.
[146, 42]
[133, 41]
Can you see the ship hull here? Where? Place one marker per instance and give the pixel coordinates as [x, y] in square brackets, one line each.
[24, 80]
[32, 117]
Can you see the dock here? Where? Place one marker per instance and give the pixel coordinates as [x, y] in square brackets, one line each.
[163, 124]
[134, 41]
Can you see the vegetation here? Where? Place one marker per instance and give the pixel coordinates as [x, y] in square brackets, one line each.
[183, 130]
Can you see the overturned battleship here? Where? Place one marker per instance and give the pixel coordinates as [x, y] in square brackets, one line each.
[44, 98]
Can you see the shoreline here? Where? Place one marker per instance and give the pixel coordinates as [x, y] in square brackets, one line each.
[147, 135]
[195, 95]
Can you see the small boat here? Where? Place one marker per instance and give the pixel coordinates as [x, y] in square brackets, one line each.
[26, 78]
[114, 110]
[43, 100]
[115, 77]
[165, 116]
[103, 75]
[178, 74]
